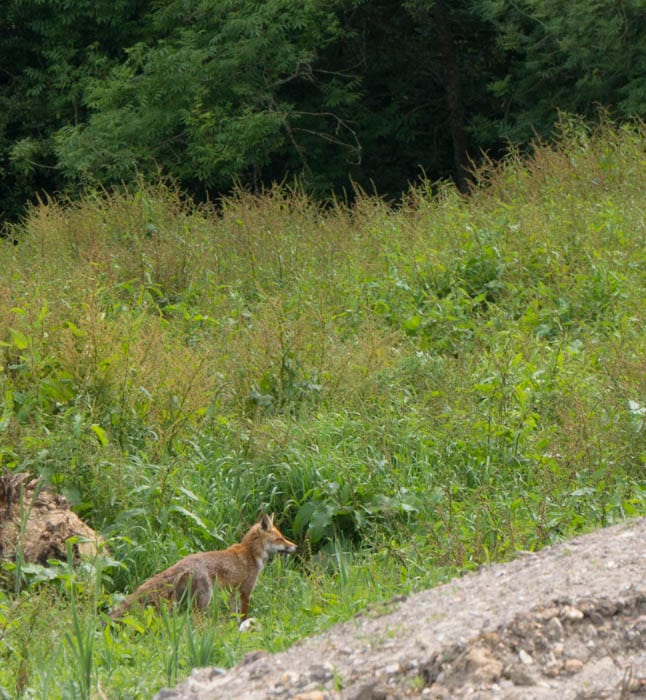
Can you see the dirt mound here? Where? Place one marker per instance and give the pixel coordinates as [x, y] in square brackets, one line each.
[39, 522]
[590, 648]
[567, 622]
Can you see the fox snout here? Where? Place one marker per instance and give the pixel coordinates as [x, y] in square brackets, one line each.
[284, 547]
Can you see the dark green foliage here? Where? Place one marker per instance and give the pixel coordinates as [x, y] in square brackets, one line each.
[575, 61]
[336, 94]
[221, 89]
[48, 51]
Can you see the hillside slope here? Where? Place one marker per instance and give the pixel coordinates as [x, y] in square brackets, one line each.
[567, 622]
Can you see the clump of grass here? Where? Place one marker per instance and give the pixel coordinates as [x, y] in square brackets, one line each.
[413, 391]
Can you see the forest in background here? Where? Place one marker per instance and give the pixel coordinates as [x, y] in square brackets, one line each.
[334, 93]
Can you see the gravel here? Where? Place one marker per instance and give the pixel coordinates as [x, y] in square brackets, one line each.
[568, 622]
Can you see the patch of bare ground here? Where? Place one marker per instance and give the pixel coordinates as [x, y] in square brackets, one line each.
[38, 523]
[568, 622]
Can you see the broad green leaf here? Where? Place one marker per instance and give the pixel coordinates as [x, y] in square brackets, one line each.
[100, 433]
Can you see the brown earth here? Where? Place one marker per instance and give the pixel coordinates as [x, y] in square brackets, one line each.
[38, 522]
[568, 622]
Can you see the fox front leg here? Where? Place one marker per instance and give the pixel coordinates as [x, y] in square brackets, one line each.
[244, 606]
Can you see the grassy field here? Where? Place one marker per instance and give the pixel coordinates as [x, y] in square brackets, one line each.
[414, 391]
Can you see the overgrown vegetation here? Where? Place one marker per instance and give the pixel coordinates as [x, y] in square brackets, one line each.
[414, 392]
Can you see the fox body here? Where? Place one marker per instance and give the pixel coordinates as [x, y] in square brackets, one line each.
[235, 568]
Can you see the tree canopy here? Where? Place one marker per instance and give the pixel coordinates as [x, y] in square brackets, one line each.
[218, 92]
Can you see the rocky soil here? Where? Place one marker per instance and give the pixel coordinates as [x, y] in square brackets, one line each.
[39, 522]
[568, 622]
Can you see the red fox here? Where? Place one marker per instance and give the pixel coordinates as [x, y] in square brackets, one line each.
[236, 568]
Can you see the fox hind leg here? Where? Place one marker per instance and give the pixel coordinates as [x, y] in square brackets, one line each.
[203, 592]
[195, 587]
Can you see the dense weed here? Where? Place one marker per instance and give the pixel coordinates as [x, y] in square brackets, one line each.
[413, 391]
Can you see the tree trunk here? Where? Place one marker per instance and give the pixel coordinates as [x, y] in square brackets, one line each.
[448, 58]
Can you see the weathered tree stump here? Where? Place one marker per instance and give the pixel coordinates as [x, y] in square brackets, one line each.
[37, 523]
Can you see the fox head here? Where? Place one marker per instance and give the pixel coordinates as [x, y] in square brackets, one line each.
[273, 539]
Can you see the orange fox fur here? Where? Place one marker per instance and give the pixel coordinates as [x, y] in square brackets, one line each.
[235, 568]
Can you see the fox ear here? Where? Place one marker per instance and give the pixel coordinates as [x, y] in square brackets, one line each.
[266, 522]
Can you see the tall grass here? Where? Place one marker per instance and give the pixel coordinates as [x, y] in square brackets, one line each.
[414, 391]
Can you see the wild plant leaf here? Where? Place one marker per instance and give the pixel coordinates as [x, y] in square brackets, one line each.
[189, 514]
[100, 433]
[19, 339]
